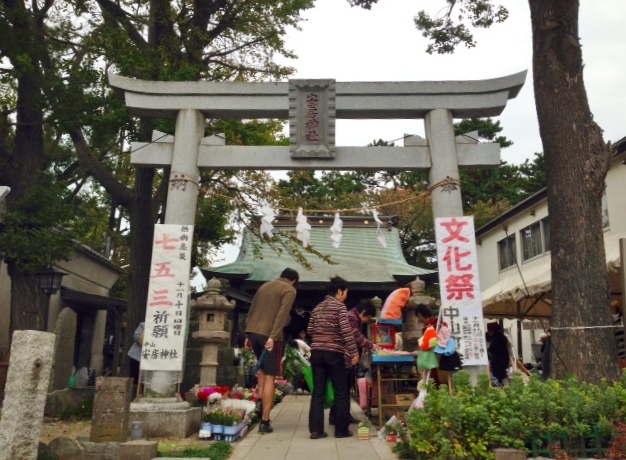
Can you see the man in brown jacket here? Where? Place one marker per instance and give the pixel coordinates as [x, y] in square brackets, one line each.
[268, 315]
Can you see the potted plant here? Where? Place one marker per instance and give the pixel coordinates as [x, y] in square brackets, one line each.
[206, 422]
[364, 429]
[216, 419]
[232, 421]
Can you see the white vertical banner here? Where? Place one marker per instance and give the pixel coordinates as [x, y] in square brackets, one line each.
[166, 313]
[460, 288]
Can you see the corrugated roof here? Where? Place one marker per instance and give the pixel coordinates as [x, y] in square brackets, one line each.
[359, 258]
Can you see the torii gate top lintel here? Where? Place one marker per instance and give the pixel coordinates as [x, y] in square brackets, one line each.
[354, 100]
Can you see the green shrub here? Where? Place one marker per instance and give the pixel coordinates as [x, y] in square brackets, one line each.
[475, 420]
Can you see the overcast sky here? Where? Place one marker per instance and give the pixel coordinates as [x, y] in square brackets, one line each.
[352, 44]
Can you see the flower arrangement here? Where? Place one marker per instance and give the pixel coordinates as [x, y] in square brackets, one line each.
[214, 417]
[211, 395]
[233, 417]
[281, 384]
[238, 404]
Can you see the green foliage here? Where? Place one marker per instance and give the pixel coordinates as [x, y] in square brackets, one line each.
[294, 363]
[33, 230]
[215, 417]
[475, 420]
[446, 31]
[486, 193]
[219, 450]
[324, 192]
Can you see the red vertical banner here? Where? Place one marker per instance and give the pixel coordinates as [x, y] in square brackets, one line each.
[163, 346]
[460, 288]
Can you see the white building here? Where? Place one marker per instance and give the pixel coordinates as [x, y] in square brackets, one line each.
[514, 258]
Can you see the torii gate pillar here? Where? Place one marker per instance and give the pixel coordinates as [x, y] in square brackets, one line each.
[446, 202]
[182, 199]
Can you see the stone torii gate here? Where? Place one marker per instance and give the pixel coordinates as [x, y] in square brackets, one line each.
[312, 107]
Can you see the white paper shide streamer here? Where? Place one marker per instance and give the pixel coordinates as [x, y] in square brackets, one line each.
[266, 221]
[303, 229]
[380, 235]
[336, 231]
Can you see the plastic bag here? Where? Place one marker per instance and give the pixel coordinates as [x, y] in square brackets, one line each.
[330, 391]
[82, 377]
[382, 433]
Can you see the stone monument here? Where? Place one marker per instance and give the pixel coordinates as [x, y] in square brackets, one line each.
[111, 405]
[212, 308]
[25, 394]
[411, 330]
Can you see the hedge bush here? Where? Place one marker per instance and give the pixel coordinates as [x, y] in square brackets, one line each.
[476, 419]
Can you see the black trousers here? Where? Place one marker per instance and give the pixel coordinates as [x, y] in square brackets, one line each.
[329, 365]
[349, 384]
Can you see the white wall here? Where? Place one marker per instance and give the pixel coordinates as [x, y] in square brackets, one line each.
[487, 249]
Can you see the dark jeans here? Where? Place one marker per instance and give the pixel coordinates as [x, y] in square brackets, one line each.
[134, 370]
[329, 365]
[349, 385]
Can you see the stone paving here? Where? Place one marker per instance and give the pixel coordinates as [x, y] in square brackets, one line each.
[290, 439]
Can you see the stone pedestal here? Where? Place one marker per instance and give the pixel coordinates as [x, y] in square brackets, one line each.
[28, 378]
[139, 450]
[509, 454]
[166, 417]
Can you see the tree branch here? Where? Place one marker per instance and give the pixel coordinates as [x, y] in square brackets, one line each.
[121, 17]
[121, 194]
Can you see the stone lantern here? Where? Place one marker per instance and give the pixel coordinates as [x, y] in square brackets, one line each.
[212, 309]
[378, 304]
[412, 331]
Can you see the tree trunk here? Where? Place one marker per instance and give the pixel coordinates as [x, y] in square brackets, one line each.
[140, 241]
[28, 304]
[577, 160]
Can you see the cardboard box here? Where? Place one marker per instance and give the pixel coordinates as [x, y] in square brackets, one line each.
[405, 399]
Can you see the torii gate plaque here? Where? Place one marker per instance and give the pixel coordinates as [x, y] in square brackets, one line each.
[437, 102]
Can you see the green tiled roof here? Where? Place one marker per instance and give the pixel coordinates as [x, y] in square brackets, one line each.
[360, 258]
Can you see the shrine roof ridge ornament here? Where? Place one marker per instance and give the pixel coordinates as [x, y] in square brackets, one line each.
[354, 100]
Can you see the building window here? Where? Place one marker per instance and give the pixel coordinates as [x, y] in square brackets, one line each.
[535, 239]
[506, 250]
[545, 226]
